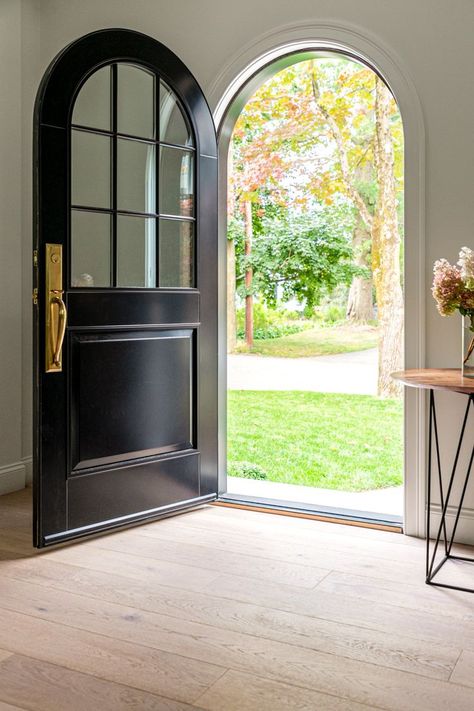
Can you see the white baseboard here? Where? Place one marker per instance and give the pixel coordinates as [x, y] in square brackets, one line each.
[12, 477]
[465, 528]
[28, 462]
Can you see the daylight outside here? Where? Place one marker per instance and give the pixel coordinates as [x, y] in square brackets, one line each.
[315, 290]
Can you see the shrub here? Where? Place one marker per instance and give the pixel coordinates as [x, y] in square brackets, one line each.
[261, 334]
[246, 470]
[269, 323]
[335, 313]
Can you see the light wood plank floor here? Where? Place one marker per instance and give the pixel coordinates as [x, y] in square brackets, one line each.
[229, 610]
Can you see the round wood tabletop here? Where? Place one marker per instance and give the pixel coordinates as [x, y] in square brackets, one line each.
[436, 379]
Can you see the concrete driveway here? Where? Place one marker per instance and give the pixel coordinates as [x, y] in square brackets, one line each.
[344, 373]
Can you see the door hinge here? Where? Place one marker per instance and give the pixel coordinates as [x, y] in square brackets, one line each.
[35, 296]
[35, 258]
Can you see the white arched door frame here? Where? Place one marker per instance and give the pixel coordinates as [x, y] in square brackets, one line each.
[228, 94]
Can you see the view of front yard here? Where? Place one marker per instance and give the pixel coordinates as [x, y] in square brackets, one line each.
[314, 282]
[326, 339]
[327, 440]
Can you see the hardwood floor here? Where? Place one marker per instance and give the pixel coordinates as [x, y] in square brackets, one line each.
[229, 610]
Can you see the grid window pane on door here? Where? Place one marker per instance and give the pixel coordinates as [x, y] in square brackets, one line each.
[93, 104]
[132, 177]
[136, 251]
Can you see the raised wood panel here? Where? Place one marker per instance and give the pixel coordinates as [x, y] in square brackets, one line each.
[93, 309]
[114, 493]
[131, 395]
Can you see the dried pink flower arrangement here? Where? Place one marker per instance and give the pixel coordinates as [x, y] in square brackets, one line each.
[453, 288]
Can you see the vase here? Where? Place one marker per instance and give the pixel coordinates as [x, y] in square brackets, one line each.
[468, 346]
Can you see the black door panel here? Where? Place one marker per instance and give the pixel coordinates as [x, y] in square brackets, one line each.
[126, 190]
[97, 309]
[108, 495]
[132, 395]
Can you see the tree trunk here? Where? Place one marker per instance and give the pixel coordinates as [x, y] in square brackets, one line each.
[231, 314]
[360, 307]
[386, 249]
[248, 276]
[231, 264]
[384, 230]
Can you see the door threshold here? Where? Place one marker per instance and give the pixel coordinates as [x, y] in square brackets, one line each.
[346, 517]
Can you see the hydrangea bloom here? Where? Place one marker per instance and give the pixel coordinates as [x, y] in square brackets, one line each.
[466, 262]
[448, 287]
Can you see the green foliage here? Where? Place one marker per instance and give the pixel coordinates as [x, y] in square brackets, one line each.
[263, 317]
[369, 191]
[262, 334]
[246, 470]
[281, 133]
[235, 231]
[316, 341]
[308, 254]
[334, 314]
[286, 160]
[269, 323]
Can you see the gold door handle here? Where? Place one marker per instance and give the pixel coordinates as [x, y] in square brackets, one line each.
[56, 313]
[56, 299]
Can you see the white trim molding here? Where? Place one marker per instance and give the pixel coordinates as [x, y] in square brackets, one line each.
[12, 477]
[28, 462]
[465, 527]
[227, 95]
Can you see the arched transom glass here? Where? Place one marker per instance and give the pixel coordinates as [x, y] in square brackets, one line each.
[132, 183]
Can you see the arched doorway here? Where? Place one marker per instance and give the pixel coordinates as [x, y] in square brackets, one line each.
[227, 113]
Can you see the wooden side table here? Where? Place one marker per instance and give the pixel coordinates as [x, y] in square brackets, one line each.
[453, 381]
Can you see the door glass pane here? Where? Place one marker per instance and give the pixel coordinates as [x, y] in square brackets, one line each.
[136, 251]
[92, 107]
[176, 258]
[174, 127]
[176, 182]
[135, 101]
[90, 249]
[136, 189]
[90, 159]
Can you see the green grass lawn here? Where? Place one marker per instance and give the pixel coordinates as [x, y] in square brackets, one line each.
[345, 442]
[320, 340]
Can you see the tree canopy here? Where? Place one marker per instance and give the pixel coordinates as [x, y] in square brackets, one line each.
[316, 186]
[296, 254]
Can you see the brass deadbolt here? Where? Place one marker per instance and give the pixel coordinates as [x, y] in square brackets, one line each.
[55, 257]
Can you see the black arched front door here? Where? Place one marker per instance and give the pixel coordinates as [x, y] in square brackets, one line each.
[125, 277]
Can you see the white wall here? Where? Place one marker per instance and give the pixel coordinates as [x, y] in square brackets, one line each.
[431, 39]
[11, 468]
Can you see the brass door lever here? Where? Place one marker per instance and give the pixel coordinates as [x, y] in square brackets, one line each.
[56, 299]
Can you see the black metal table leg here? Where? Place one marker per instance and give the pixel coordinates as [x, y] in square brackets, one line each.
[431, 569]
